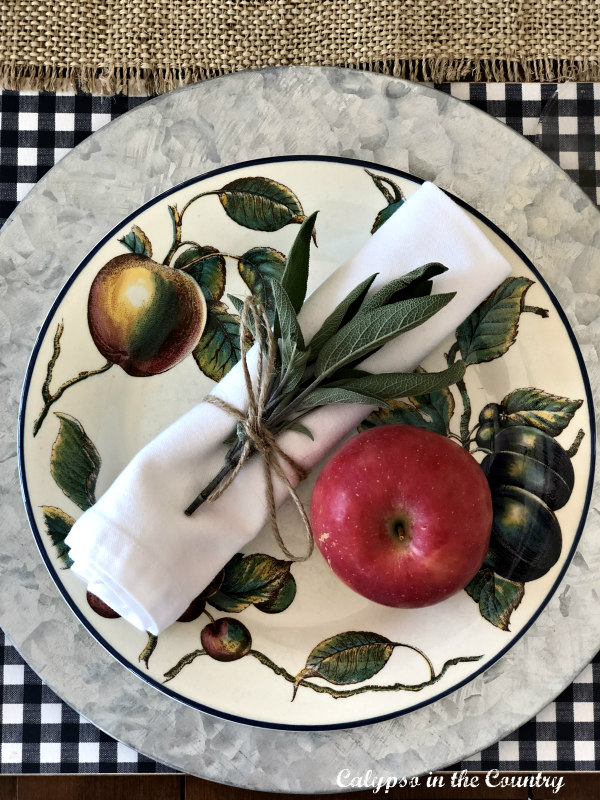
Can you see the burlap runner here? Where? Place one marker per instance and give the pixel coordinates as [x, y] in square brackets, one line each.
[138, 46]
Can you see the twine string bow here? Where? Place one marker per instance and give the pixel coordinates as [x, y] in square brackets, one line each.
[252, 428]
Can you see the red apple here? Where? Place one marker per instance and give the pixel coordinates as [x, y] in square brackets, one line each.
[402, 515]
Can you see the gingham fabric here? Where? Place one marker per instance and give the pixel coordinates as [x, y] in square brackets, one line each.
[40, 733]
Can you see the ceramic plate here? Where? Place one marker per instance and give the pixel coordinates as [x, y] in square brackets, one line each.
[81, 423]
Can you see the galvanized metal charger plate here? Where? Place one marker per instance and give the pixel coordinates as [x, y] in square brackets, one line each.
[287, 112]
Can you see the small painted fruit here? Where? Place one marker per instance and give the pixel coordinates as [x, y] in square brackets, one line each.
[540, 446]
[100, 607]
[194, 610]
[226, 639]
[198, 604]
[531, 476]
[144, 316]
[402, 515]
[526, 540]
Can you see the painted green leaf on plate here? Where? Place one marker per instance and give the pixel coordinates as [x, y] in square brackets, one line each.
[250, 580]
[207, 267]
[260, 203]
[492, 328]
[75, 462]
[388, 188]
[385, 214]
[349, 657]
[219, 347]
[137, 242]
[258, 268]
[497, 597]
[280, 598]
[431, 411]
[393, 195]
[548, 412]
[58, 524]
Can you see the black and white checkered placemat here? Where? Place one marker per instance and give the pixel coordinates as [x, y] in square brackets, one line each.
[40, 733]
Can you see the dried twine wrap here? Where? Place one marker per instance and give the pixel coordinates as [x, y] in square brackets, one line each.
[252, 430]
[153, 46]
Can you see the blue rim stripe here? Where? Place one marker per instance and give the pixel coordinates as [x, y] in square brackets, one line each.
[52, 568]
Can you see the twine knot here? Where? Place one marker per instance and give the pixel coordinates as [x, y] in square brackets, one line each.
[252, 430]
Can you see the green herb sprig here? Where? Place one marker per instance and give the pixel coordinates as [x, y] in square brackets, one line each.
[326, 370]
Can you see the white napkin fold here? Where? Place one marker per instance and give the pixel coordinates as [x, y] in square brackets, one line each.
[135, 547]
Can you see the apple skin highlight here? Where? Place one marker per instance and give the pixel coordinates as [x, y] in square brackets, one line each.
[402, 515]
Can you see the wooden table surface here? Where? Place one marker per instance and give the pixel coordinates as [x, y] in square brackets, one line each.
[575, 786]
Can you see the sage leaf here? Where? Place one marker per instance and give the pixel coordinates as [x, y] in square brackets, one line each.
[296, 369]
[299, 428]
[137, 242]
[341, 314]
[400, 384]
[259, 267]
[323, 396]
[287, 322]
[371, 329]
[295, 276]
[219, 346]
[349, 657]
[58, 524]
[497, 597]
[260, 204]
[548, 412]
[492, 328]
[249, 580]
[75, 462]
[207, 267]
[340, 377]
[401, 288]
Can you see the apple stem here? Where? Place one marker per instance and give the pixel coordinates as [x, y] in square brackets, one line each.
[177, 217]
[466, 415]
[148, 649]
[451, 354]
[485, 450]
[183, 662]
[47, 396]
[422, 654]
[575, 446]
[203, 258]
[541, 312]
[339, 693]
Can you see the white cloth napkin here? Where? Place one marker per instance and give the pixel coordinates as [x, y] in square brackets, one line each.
[136, 548]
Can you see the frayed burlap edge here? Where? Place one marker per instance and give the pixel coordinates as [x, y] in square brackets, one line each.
[134, 81]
